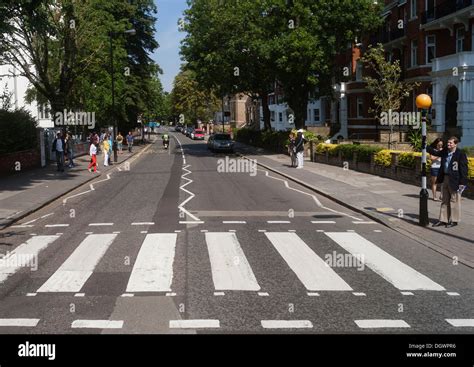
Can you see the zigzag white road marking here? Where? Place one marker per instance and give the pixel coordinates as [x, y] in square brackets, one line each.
[316, 200]
[191, 195]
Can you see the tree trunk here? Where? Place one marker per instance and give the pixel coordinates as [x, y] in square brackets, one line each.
[298, 102]
[267, 125]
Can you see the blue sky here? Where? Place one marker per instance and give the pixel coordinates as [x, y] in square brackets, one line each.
[169, 37]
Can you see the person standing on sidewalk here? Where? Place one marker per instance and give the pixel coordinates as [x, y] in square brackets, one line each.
[130, 141]
[106, 148]
[70, 150]
[435, 165]
[299, 148]
[93, 154]
[109, 139]
[453, 176]
[291, 149]
[59, 147]
[119, 142]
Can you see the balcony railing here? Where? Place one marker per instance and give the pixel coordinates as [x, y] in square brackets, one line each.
[392, 35]
[443, 9]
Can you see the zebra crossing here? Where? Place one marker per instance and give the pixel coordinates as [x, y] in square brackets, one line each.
[153, 268]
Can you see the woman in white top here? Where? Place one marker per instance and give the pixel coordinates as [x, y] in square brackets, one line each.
[93, 154]
[435, 166]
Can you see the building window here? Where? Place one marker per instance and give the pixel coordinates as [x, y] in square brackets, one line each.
[412, 9]
[360, 107]
[43, 112]
[272, 115]
[414, 53]
[317, 116]
[359, 68]
[430, 48]
[280, 116]
[460, 39]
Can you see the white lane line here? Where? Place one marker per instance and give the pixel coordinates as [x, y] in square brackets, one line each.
[361, 222]
[127, 295]
[170, 294]
[461, 322]
[100, 224]
[76, 270]
[23, 226]
[263, 294]
[177, 231]
[194, 324]
[310, 269]
[320, 230]
[350, 230]
[153, 269]
[219, 294]
[143, 223]
[59, 233]
[31, 294]
[97, 324]
[89, 232]
[262, 230]
[407, 293]
[452, 293]
[230, 268]
[373, 324]
[292, 230]
[286, 324]
[33, 234]
[377, 230]
[191, 222]
[231, 230]
[47, 215]
[19, 322]
[234, 222]
[388, 267]
[278, 221]
[323, 222]
[313, 294]
[143, 232]
[31, 221]
[359, 294]
[204, 230]
[25, 254]
[116, 232]
[79, 295]
[56, 225]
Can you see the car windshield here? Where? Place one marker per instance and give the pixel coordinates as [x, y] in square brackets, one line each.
[222, 137]
[199, 131]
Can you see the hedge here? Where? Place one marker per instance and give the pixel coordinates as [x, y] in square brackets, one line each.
[17, 131]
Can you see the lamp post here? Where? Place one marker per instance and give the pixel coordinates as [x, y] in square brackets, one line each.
[423, 101]
[114, 121]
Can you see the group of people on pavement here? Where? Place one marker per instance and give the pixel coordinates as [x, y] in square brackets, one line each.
[63, 147]
[296, 148]
[450, 169]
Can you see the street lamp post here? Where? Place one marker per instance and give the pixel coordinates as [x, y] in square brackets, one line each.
[423, 101]
[112, 74]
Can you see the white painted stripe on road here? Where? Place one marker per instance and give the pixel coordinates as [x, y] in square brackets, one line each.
[89, 232]
[116, 232]
[97, 324]
[24, 255]
[177, 231]
[194, 324]
[360, 222]
[323, 222]
[153, 269]
[452, 293]
[219, 294]
[262, 230]
[407, 293]
[76, 270]
[263, 294]
[170, 294]
[388, 267]
[59, 233]
[23, 226]
[79, 295]
[31, 294]
[377, 230]
[47, 215]
[142, 232]
[320, 230]
[230, 268]
[232, 230]
[461, 322]
[313, 294]
[19, 322]
[359, 294]
[287, 324]
[310, 269]
[234, 222]
[100, 224]
[143, 223]
[191, 222]
[56, 225]
[278, 221]
[373, 324]
[128, 295]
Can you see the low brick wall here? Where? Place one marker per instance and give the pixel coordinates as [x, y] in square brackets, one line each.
[395, 172]
[19, 161]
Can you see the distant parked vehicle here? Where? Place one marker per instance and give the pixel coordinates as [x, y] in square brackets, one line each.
[188, 132]
[178, 128]
[197, 134]
[220, 142]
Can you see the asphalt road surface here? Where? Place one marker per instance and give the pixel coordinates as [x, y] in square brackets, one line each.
[173, 242]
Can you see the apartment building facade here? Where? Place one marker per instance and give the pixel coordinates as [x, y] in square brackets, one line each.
[434, 42]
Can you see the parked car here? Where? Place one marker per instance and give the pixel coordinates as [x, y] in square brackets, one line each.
[220, 142]
[178, 128]
[189, 130]
[197, 134]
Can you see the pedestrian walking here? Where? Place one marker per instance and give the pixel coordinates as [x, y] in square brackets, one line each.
[119, 142]
[453, 176]
[106, 149]
[437, 145]
[292, 149]
[109, 138]
[93, 154]
[59, 147]
[299, 148]
[70, 149]
[130, 141]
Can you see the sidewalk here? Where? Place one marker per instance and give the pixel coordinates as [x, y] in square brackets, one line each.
[392, 203]
[26, 192]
